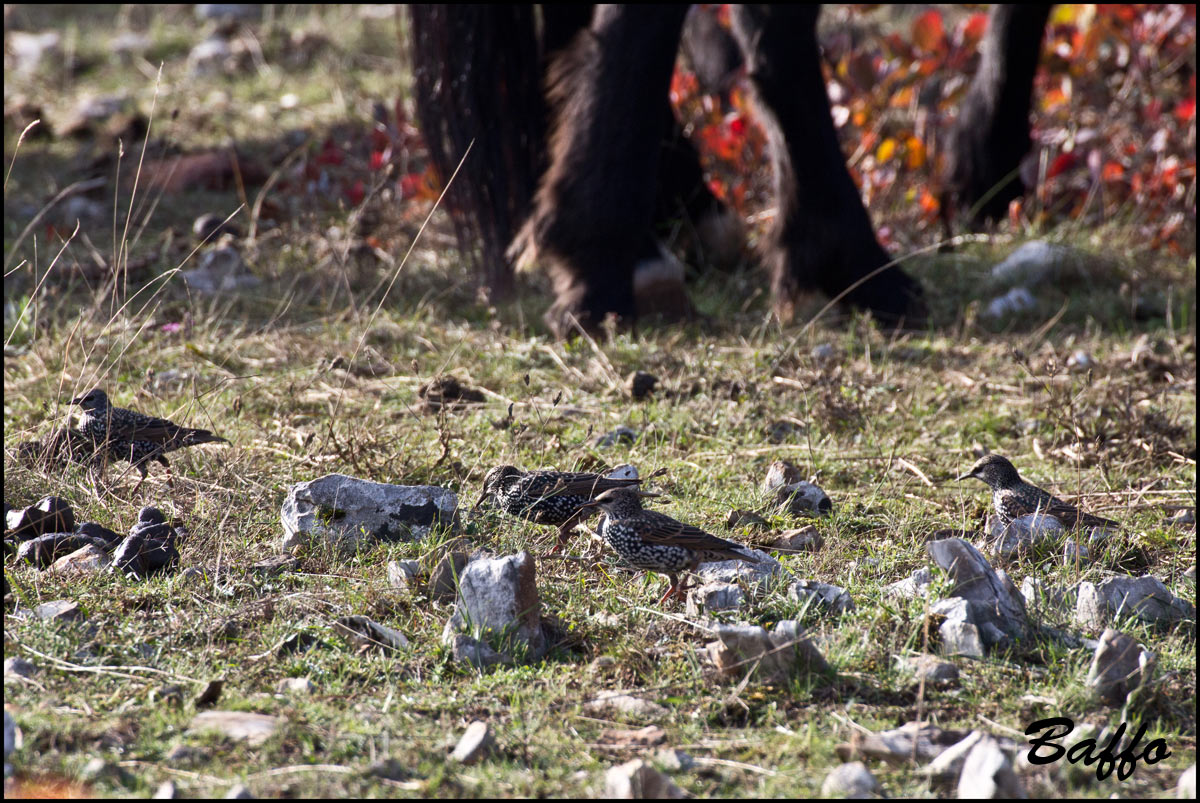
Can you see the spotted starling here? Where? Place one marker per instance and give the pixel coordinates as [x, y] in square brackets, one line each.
[121, 434]
[547, 497]
[1012, 497]
[656, 542]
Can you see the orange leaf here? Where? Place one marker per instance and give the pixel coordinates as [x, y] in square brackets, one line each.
[1186, 110]
[885, 151]
[928, 32]
[1112, 172]
[915, 153]
[902, 99]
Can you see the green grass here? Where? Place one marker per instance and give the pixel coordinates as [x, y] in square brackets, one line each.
[305, 379]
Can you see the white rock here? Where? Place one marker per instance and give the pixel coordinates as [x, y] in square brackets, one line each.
[615, 701]
[824, 596]
[1186, 788]
[254, 729]
[1031, 264]
[988, 773]
[475, 743]
[1014, 301]
[636, 779]
[88, 560]
[345, 511]
[853, 781]
[777, 654]
[498, 600]
[295, 686]
[733, 571]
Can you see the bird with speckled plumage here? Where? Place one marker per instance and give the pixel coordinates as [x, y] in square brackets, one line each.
[120, 434]
[548, 497]
[656, 542]
[1013, 497]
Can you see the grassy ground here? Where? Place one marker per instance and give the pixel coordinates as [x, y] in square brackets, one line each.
[310, 375]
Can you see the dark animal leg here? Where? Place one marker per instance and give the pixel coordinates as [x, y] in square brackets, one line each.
[592, 214]
[822, 237]
[991, 135]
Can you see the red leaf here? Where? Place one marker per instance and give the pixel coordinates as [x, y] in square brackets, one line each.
[928, 32]
[1112, 172]
[356, 193]
[1186, 110]
[1063, 163]
[973, 29]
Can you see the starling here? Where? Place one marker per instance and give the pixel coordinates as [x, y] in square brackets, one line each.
[1012, 497]
[547, 497]
[122, 434]
[656, 542]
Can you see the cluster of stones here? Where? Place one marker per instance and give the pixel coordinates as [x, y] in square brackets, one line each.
[46, 536]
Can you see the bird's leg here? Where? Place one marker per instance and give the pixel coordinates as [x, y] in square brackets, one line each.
[673, 588]
[564, 534]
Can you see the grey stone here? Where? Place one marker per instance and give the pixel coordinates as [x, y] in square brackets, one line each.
[366, 633]
[636, 780]
[918, 741]
[853, 781]
[443, 580]
[474, 744]
[1032, 263]
[147, 551]
[996, 608]
[239, 792]
[777, 655]
[734, 571]
[805, 539]
[1119, 667]
[911, 587]
[403, 573]
[827, 597]
[608, 702]
[185, 755]
[89, 560]
[43, 550]
[498, 600]
[1024, 535]
[12, 736]
[931, 669]
[344, 510]
[988, 773]
[803, 499]
[295, 686]
[620, 435]
[673, 760]
[59, 610]
[208, 57]
[28, 50]
[625, 471]
[93, 530]
[823, 352]
[1016, 300]
[254, 729]
[52, 514]
[713, 597]
[467, 650]
[19, 667]
[780, 474]
[1143, 597]
[1047, 600]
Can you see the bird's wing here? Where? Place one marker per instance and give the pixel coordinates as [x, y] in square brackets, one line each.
[582, 483]
[1072, 516]
[665, 530]
[128, 425]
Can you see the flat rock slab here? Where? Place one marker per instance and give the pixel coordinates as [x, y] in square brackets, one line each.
[345, 511]
[822, 596]
[59, 610]
[713, 597]
[988, 773]
[254, 729]
[1143, 597]
[851, 780]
